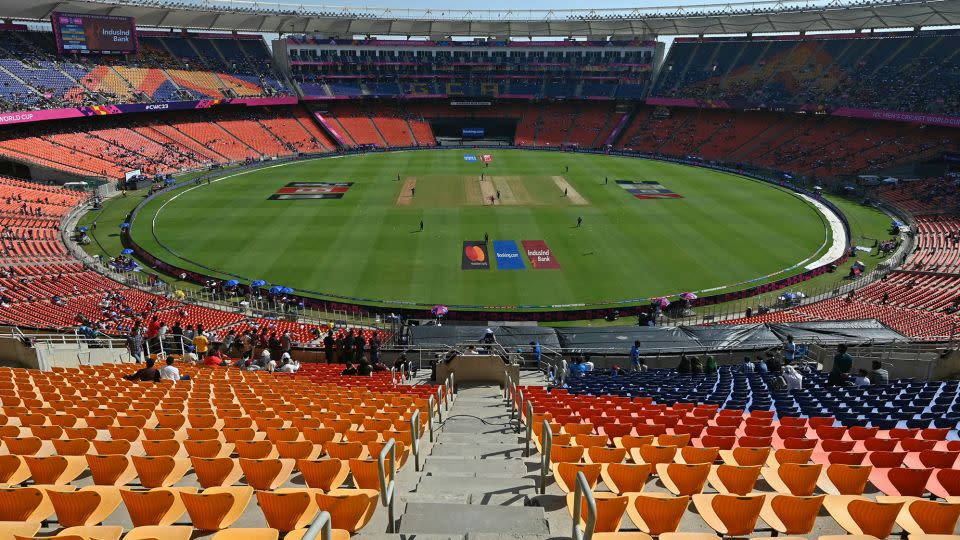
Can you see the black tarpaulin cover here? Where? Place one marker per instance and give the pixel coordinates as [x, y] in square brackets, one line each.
[508, 336]
[852, 332]
[619, 339]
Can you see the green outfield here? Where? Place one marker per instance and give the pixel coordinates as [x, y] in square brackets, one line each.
[719, 232]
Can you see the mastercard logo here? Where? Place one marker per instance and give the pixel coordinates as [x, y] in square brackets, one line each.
[474, 253]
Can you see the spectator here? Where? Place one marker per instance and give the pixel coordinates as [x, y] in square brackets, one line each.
[145, 374]
[842, 364]
[792, 377]
[879, 375]
[288, 364]
[773, 364]
[711, 365]
[169, 372]
[635, 356]
[364, 369]
[789, 350]
[135, 342]
[696, 366]
[759, 365]
[349, 369]
[200, 342]
[685, 365]
[862, 378]
[642, 365]
[747, 366]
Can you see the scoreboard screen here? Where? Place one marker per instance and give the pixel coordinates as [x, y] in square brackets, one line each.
[77, 33]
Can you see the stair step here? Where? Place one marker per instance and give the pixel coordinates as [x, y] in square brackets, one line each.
[428, 518]
[451, 467]
[363, 535]
[482, 451]
[484, 485]
[508, 437]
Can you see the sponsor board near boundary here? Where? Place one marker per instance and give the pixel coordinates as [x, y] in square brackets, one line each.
[486, 158]
[469, 157]
[311, 190]
[539, 255]
[474, 256]
[647, 189]
[508, 255]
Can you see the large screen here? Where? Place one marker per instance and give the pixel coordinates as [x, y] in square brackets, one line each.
[94, 33]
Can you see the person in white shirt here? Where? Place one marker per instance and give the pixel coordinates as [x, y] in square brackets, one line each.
[169, 372]
[862, 379]
[792, 377]
[288, 365]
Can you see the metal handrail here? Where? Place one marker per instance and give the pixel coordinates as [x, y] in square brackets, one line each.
[546, 449]
[387, 488]
[580, 491]
[529, 436]
[430, 407]
[440, 399]
[415, 438]
[323, 526]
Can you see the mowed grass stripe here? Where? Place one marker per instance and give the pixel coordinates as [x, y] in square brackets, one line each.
[725, 229]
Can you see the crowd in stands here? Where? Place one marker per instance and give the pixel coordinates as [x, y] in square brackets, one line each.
[168, 67]
[896, 72]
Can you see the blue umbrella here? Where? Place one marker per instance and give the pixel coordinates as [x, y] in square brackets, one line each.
[124, 225]
[276, 289]
[258, 283]
[82, 229]
[232, 283]
[286, 290]
[171, 181]
[127, 251]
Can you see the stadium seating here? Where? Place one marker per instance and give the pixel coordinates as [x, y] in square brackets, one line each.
[80, 444]
[168, 67]
[795, 72]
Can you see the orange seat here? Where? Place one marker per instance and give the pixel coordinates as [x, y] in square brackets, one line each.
[110, 470]
[793, 478]
[653, 454]
[734, 479]
[84, 507]
[610, 509]
[212, 472]
[745, 456]
[791, 455]
[565, 474]
[120, 446]
[256, 449]
[623, 477]
[27, 504]
[599, 454]
[656, 514]
[157, 507]
[840, 479]
[161, 471]
[730, 515]
[694, 455]
[350, 509]
[266, 474]
[345, 450]
[210, 448]
[858, 515]
[683, 479]
[216, 508]
[13, 469]
[55, 470]
[23, 446]
[901, 481]
[327, 474]
[925, 517]
[288, 510]
[791, 515]
[161, 447]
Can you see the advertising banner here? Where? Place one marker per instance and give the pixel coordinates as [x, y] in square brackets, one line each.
[508, 255]
[539, 255]
[474, 256]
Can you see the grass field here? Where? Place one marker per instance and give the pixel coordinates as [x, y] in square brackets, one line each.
[723, 231]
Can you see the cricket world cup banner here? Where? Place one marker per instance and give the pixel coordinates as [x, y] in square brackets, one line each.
[474, 256]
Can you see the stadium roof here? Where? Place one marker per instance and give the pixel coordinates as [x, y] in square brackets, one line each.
[345, 21]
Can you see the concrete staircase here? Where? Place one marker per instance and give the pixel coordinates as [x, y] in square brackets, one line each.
[474, 480]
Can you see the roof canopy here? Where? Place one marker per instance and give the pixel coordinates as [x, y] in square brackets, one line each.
[344, 21]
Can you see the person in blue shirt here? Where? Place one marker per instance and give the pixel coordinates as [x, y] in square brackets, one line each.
[578, 368]
[635, 355]
[789, 350]
[537, 350]
[747, 366]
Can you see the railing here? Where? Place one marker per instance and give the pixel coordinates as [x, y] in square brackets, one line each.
[322, 526]
[529, 435]
[546, 448]
[581, 492]
[415, 434]
[387, 488]
[430, 417]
